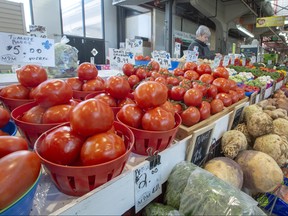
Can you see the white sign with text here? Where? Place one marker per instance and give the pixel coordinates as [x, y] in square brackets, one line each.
[118, 57]
[162, 57]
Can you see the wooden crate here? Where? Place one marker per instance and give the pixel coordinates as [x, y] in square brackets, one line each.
[184, 131]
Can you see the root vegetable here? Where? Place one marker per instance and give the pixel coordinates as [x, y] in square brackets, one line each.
[261, 172]
[232, 143]
[259, 123]
[280, 127]
[243, 128]
[273, 145]
[249, 110]
[227, 170]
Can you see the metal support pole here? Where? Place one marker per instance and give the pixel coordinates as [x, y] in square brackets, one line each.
[168, 25]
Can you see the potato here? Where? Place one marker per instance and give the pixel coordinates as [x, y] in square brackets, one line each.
[280, 127]
[226, 169]
[232, 143]
[261, 172]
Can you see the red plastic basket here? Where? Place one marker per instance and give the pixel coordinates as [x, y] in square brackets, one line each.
[153, 140]
[78, 180]
[82, 94]
[11, 103]
[29, 130]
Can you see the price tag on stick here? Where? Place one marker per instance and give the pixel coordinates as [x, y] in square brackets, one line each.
[147, 182]
[162, 57]
[118, 57]
[226, 60]
[199, 145]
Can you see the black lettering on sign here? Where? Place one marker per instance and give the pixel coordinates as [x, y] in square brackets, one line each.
[201, 147]
[237, 117]
[144, 197]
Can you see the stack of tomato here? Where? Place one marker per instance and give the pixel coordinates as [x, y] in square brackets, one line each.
[4, 119]
[29, 76]
[196, 91]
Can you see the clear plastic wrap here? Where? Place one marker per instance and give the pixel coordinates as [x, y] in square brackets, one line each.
[66, 60]
[205, 194]
[154, 209]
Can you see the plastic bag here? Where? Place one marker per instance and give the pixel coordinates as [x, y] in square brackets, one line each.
[66, 60]
[205, 194]
[160, 209]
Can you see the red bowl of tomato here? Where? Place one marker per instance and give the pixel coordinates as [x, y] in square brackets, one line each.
[11, 103]
[78, 180]
[80, 95]
[30, 131]
[145, 140]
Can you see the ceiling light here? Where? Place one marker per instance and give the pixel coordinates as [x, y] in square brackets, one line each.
[244, 30]
[285, 22]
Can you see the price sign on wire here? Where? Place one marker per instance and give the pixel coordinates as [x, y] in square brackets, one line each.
[162, 57]
[216, 62]
[134, 45]
[147, 184]
[192, 56]
[232, 59]
[200, 144]
[118, 57]
[177, 49]
[226, 60]
[25, 49]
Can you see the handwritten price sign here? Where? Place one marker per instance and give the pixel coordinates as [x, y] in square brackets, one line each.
[192, 56]
[134, 45]
[147, 183]
[119, 57]
[24, 49]
[163, 58]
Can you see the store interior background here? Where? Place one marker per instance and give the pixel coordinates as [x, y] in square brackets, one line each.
[150, 20]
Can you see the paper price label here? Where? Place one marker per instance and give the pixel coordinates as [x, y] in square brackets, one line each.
[134, 45]
[24, 49]
[177, 48]
[217, 60]
[262, 93]
[163, 58]
[38, 31]
[226, 60]
[232, 59]
[192, 56]
[243, 61]
[119, 57]
[147, 185]
[253, 59]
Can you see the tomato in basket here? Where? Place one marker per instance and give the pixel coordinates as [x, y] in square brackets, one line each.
[4, 117]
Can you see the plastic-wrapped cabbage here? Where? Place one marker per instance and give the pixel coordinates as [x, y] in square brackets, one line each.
[66, 60]
[201, 193]
[155, 209]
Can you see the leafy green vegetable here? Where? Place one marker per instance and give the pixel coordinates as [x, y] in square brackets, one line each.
[158, 209]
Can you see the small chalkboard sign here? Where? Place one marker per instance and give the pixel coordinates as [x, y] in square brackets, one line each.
[199, 145]
[253, 98]
[262, 93]
[236, 116]
[273, 87]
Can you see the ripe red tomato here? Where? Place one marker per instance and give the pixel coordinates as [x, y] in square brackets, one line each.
[191, 75]
[206, 78]
[153, 66]
[177, 93]
[225, 98]
[158, 119]
[91, 116]
[4, 117]
[204, 110]
[164, 72]
[125, 101]
[142, 73]
[220, 72]
[150, 94]
[61, 146]
[190, 116]
[172, 80]
[178, 72]
[222, 85]
[203, 87]
[101, 148]
[168, 106]
[147, 58]
[193, 97]
[161, 79]
[186, 83]
[216, 106]
[118, 87]
[203, 69]
[19, 171]
[105, 97]
[53, 92]
[57, 114]
[9, 144]
[93, 85]
[212, 91]
[133, 80]
[128, 69]
[177, 108]
[232, 84]
[190, 66]
[87, 71]
[15, 91]
[234, 96]
[75, 83]
[34, 115]
[131, 115]
[31, 75]
[139, 58]
[240, 92]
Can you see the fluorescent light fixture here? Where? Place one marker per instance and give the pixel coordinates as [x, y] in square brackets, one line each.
[244, 30]
[285, 22]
